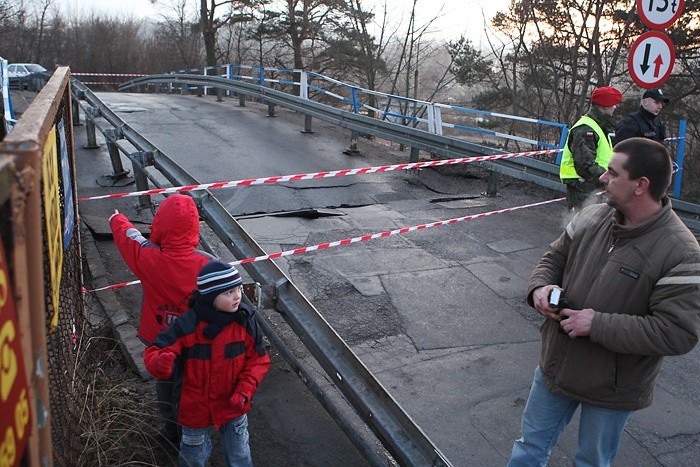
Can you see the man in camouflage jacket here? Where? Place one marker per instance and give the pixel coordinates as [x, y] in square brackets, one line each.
[589, 148]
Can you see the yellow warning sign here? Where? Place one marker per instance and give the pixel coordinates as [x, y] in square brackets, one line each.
[52, 212]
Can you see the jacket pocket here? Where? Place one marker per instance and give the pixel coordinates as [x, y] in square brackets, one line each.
[588, 370]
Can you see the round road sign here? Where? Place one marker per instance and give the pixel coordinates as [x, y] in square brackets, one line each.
[651, 59]
[659, 14]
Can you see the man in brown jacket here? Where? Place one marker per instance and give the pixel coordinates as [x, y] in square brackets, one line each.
[629, 271]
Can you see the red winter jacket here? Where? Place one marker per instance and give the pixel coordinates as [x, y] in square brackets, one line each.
[209, 371]
[167, 265]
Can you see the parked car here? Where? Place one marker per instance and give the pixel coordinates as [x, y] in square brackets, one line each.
[21, 74]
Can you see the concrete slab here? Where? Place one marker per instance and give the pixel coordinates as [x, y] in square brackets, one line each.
[386, 260]
[277, 229]
[461, 387]
[367, 285]
[499, 279]
[449, 307]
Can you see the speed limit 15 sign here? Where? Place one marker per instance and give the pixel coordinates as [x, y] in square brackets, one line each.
[659, 14]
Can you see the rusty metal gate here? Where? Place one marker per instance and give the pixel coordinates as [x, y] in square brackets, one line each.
[41, 242]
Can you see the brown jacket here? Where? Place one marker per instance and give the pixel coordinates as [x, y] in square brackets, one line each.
[644, 283]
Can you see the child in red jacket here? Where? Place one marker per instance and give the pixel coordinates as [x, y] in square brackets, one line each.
[167, 266]
[217, 354]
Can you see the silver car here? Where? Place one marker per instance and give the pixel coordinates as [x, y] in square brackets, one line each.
[19, 73]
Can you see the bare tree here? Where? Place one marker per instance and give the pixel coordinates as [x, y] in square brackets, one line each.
[213, 15]
[44, 6]
[555, 52]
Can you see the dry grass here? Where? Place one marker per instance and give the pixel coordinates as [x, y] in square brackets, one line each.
[118, 423]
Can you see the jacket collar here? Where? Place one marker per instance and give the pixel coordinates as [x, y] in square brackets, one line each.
[606, 122]
[646, 114]
[625, 231]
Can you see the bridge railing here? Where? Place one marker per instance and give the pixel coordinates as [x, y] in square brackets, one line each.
[434, 117]
[459, 122]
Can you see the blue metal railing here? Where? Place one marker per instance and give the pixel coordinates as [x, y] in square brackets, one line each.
[9, 116]
[425, 114]
[429, 115]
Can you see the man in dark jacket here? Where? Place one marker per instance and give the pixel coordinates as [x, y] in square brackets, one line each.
[630, 273]
[645, 122]
[588, 148]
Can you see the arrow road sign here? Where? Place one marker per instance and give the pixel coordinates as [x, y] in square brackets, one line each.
[659, 14]
[651, 59]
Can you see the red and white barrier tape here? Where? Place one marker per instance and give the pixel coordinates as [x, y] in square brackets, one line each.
[310, 176]
[364, 238]
[107, 74]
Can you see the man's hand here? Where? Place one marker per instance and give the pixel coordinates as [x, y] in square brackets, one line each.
[577, 323]
[540, 299]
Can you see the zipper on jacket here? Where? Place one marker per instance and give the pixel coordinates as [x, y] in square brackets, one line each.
[613, 242]
[615, 375]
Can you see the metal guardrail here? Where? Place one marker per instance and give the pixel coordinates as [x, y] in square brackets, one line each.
[402, 437]
[434, 117]
[418, 139]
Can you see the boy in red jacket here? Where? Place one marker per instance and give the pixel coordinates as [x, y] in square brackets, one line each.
[217, 354]
[167, 266]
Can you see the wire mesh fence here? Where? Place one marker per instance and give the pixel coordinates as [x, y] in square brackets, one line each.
[85, 405]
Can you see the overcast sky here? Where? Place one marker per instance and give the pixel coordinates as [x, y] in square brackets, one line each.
[457, 17]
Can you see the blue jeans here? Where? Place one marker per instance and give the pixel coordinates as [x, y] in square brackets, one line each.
[195, 446]
[545, 417]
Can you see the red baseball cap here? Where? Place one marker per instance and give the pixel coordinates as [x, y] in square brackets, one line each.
[606, 96]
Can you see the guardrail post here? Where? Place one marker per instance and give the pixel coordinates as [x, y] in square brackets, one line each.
[492, 184]
[270, 109]
[352, 149]
[139, 161]
[229, 75]
[307, 124]
[304, 85]
[415, 152]
[431, 118]
[241, 100]
[680, 152]
[75, 112]
[437, 119]
[90, 114]
[219, 95]
[562, 143]
[119, 176]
